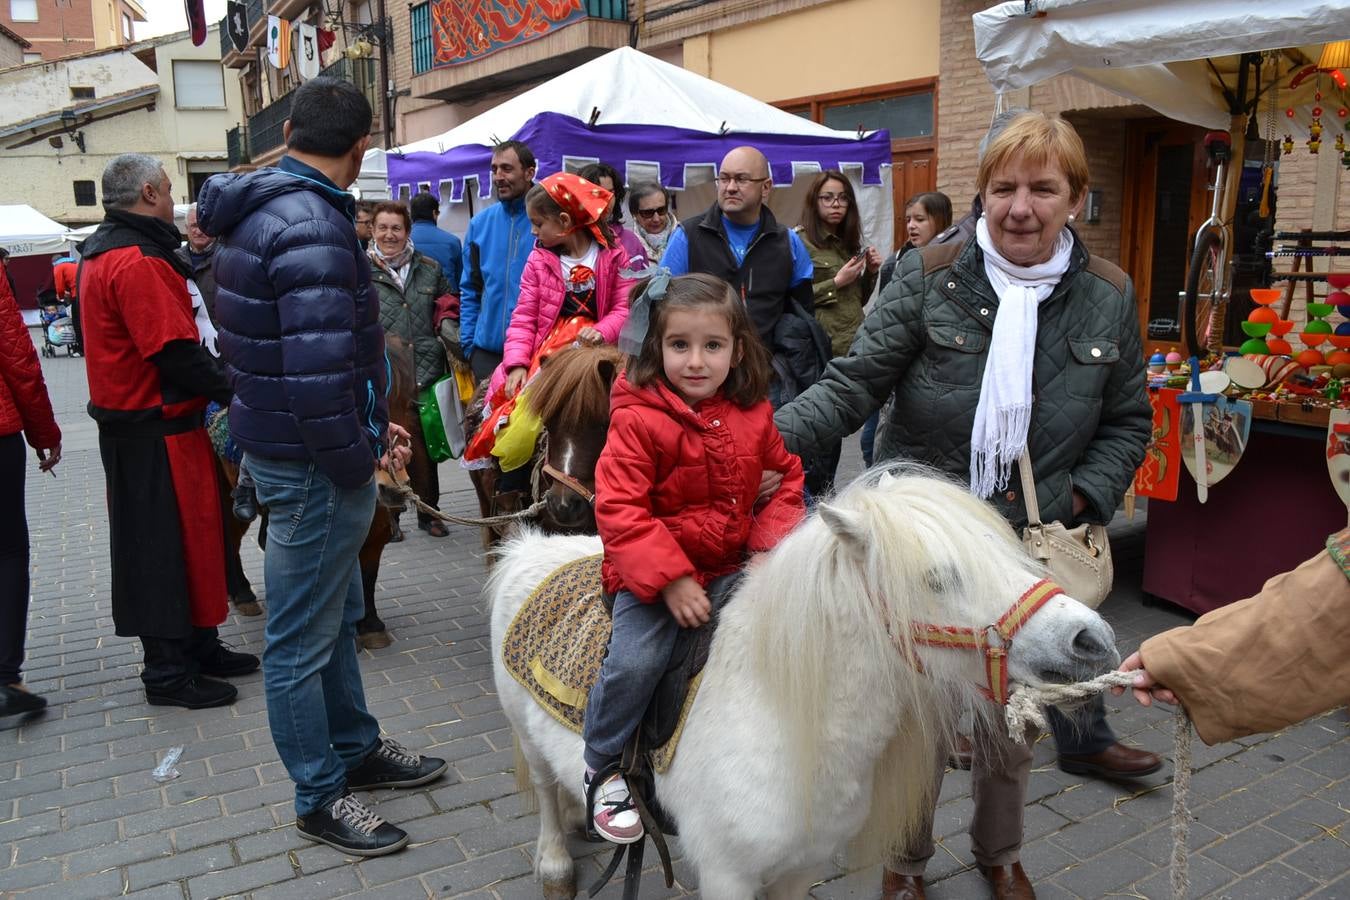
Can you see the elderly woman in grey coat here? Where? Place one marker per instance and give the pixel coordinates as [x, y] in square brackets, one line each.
[1018, 338]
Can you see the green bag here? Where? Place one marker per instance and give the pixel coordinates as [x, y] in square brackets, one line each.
[442, 417]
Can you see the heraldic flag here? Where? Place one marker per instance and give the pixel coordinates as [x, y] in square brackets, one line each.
[278, 42]
[307, 51]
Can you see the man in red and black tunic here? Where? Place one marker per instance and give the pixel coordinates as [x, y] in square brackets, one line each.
[149, 380]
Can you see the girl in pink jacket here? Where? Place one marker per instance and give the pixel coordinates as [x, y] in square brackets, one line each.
[571, 276]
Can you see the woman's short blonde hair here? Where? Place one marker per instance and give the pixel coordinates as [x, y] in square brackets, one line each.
[1039, 139]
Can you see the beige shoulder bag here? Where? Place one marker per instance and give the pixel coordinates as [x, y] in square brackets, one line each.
[1079, 559]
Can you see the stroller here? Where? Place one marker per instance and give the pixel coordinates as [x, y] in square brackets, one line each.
[58, 329]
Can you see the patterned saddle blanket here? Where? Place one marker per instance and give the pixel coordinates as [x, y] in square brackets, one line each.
[557, 641]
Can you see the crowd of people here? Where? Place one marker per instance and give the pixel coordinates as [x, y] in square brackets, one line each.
[755, 349]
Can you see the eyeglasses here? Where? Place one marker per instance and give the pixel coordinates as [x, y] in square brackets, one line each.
[833, 199]
[652, 213]
[739, 180]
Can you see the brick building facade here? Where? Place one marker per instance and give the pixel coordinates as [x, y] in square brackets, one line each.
[57, 28]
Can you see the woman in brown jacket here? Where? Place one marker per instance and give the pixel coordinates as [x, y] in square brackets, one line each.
[1262, 663]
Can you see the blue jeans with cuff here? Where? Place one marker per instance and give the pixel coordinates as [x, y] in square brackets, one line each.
[316, 705]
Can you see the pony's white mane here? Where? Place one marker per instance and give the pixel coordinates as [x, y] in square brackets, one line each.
[896, 546]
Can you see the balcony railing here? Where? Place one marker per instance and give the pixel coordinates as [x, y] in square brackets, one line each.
[265, 129]
[424, 45]
[236, 146]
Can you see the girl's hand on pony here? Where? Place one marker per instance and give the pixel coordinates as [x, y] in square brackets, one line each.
[589, 335]
[687, 602]
[515, 379]
[1145, 689]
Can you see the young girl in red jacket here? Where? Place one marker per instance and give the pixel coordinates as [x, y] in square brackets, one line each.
[690, 434]
[570, 288]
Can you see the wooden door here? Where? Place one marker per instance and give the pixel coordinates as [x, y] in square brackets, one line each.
[913, 171]
[1165, 197]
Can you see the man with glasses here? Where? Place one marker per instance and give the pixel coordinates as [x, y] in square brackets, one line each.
[650, 205]
[741, 242]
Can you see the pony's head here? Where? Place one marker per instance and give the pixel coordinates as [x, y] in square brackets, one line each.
[896, 550]
[571, 397]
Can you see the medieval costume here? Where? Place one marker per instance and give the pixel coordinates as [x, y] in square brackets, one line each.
[149, 381]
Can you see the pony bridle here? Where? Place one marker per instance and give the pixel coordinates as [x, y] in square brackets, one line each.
[568, 482]
[993, 641]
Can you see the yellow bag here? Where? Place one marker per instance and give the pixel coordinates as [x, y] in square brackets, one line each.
[515, 441]
[464, 381]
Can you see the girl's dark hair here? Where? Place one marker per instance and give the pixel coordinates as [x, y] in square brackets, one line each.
[538, 199]
[748, 381]
[850, 230]
[394, 207]
[594, 172]
[938, 206]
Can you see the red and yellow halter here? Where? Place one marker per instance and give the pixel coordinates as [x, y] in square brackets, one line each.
[994, 641]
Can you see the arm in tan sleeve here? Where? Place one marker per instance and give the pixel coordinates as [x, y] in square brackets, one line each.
[1262, 663]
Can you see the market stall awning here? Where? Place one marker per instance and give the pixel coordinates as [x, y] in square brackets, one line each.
[1171, 55]
[26, 232]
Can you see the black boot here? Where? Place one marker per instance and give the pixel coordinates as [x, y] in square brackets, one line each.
[220, 661]
[197, 692]
[245, 502]
[391, 765]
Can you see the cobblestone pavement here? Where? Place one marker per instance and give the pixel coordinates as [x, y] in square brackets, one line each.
[80, 815]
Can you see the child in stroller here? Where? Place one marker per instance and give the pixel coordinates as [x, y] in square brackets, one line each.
[58, 330]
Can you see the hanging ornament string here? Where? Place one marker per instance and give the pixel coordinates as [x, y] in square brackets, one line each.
[1272, 59]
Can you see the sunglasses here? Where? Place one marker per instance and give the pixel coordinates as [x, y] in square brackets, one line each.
[650, 213]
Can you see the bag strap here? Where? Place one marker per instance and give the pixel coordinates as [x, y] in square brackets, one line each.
[1029, 490]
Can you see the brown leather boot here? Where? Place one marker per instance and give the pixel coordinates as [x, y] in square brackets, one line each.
[1008, 882]
[895, 886]
[1117, 761]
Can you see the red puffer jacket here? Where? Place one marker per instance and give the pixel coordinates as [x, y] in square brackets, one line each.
[675, 488]
[24, 405]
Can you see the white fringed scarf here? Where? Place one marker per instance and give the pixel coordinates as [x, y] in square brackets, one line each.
[1003, 414]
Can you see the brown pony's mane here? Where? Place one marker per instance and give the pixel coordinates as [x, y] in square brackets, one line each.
[402, 379]
[571, 387]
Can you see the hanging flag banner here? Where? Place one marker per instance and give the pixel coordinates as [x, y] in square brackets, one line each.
[278, 42]
[307, 51]
[236, 24]
[196, 17]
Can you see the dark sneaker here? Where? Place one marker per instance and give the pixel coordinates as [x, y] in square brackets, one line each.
[15, 699]
[197, 693]
[220, 661]
[391, 765]
[349, 825]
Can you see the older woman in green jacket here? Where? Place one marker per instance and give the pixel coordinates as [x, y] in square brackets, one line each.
[1017, 339]
[409, 286]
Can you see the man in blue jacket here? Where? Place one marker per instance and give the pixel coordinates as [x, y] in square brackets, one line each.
[433, 241]
[495, 248]
[301, 338]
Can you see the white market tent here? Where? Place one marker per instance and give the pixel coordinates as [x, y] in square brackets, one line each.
[1175, 56]
[26, 232]
[572, 114]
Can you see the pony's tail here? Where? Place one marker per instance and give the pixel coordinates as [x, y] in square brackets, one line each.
[524, 785]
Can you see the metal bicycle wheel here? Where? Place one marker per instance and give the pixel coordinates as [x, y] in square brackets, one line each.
[1201, 312]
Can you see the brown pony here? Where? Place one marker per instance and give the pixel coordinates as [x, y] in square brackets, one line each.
[370, 630]
[570, 394]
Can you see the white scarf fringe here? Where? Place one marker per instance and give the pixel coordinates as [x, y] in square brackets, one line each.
[1003, 415]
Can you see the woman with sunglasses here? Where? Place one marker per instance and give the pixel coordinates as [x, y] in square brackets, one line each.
[651, 207]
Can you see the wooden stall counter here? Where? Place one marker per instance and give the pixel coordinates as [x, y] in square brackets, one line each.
[1273, 512]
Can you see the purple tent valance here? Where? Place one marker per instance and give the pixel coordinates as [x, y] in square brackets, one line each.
[554, 137]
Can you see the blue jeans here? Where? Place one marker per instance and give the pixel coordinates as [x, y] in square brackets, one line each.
[316, 705]
[868, 439]
[640, 644]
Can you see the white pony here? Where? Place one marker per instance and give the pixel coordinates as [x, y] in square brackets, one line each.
[819, 712]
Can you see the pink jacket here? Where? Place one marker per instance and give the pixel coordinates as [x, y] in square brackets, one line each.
[541, 298]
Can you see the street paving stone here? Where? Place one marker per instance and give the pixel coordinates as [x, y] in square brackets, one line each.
[80, 815]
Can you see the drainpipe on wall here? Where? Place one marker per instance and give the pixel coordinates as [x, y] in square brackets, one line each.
[386, 82]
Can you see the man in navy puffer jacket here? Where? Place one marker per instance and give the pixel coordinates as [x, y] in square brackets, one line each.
[300, 334]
